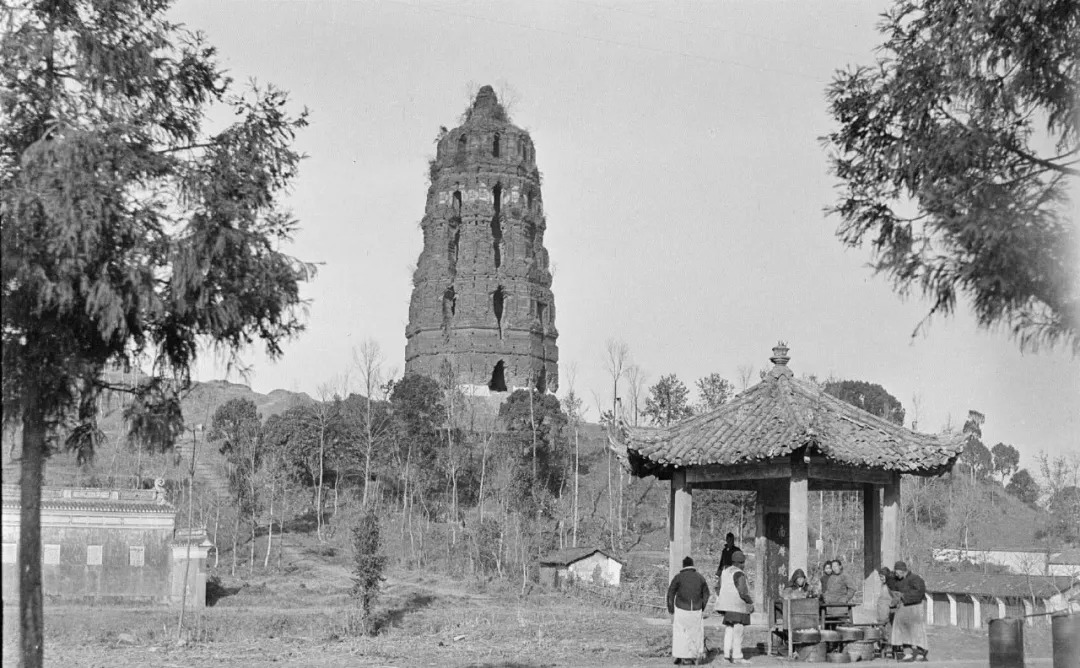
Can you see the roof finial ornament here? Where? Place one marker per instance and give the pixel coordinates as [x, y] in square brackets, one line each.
[780, 354]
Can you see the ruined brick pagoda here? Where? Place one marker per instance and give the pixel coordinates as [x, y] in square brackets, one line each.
[482, 310]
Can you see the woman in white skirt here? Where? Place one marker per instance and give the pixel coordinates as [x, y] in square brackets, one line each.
[735, 603]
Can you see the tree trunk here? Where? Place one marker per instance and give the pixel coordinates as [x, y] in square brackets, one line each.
[235, 535]
[251, 549]
[284, 514]
[32, 473]
[367, 453]
[576, 469]
[217, 521]
[187, 556]
[319, 485]
[483, 471]
[270, 530]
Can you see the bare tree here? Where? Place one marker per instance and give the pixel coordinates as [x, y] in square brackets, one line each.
[368, 362]
[574, 412]
[324, 414]
[636, 381]
[450, 388]
[746, 373]
[615, 363]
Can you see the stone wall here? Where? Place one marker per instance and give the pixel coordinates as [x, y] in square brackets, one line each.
[104, 546]
[482, 287]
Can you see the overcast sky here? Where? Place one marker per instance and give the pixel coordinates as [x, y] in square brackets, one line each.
[684, 188]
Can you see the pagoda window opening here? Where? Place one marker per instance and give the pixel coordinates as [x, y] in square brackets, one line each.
[530, 199]
[498, 300]
[498, 378]
[541, 311]
[530, 238]
[495, 146]
[462, 144]
[541, 380]
[496, 226]
[452, 248]
[457, 202]
[449, 308]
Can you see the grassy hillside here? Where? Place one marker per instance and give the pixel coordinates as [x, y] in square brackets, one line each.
[117, 464]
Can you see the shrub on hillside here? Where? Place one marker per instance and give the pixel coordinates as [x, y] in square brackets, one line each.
[369, 564]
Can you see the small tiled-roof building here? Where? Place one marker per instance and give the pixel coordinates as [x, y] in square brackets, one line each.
[587, 564]
[783, 438]
[970, 600]
[108, 546]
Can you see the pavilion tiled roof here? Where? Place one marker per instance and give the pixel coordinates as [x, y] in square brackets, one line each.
[776, 417]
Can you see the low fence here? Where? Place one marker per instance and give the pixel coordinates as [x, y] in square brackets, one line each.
[613, 597]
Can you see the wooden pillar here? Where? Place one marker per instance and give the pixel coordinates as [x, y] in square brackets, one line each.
[761, 548]
[798, 518]
[929, 609]
[890, 522]
[976, 606]
[679, 507]
[872, 552]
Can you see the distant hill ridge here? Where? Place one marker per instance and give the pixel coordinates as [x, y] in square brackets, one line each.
[198, 407]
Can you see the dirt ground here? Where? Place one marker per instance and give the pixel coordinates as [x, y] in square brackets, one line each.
[305, 617]
[423, 627]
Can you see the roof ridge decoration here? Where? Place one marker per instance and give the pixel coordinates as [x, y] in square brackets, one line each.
[774, 418]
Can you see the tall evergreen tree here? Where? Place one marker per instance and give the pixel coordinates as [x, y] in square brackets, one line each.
[870, 397]
[668, 401]
[956, 151]
[1023, 486]
[129, 233]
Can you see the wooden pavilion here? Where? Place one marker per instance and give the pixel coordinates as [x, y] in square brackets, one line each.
[782, 439]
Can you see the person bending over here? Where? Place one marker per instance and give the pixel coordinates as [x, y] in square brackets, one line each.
[909, 622]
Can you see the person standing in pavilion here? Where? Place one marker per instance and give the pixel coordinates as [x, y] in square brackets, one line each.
[735, 603]
[730, 548]
[687, 597]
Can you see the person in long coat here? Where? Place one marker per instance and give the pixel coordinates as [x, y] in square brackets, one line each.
[826, 572]
[687, 597]
[888, 600]
[909, 622]
[730, 548]
[735, 603]
[838, 589]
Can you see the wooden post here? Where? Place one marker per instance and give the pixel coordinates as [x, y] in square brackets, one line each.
[890, 522]
[798, 518]
[761, 547]
[679, 508]
[871, 544]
